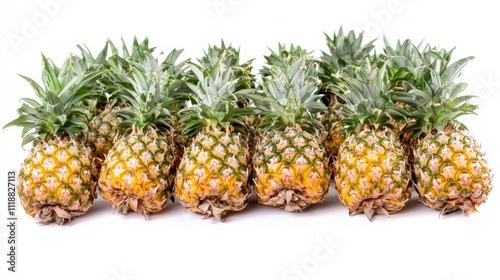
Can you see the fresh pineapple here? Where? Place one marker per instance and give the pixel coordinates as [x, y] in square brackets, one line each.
[345, 52]
[450, 169]
[56, 181]
[372, 174]
[101, 135]
[290, 163]
[212, 178]
[139, 170]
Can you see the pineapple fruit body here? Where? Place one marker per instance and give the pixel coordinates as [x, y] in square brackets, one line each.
[56, 181]
[451, 172]
[372, 174]
[290, 169]
[138, 173]
[212, 178]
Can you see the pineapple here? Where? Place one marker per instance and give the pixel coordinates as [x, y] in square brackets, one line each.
[345, 51]
[212, 177]
[56, 181]
[139, 170]
[290, 163]
[372, 174]
[450, 169]
[101, 134]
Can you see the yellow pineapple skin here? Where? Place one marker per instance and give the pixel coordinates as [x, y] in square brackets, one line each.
[451, 172]
[212, 178]
[102, 134]
[334, 138]
[372, 174]
[138, 173]
[56, 181]
[290, 169]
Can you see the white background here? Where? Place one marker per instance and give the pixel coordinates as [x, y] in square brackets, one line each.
[260, 242]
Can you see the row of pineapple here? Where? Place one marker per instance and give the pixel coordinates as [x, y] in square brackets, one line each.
[143, 130]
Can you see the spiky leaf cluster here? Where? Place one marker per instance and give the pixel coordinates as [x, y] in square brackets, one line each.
[58, 112]
[214, 100]
[281, 57]
[155, 94]
[289, 96]
[344, 52]
[435, 97]
[230, 57]
[368, 102]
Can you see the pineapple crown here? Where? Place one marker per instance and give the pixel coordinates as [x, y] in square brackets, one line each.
[281, 58]
[409, 64]
[289, 96]
[401, 61]
[154, 95]
[214, 100]
[367, 98]
[138, 51]
[87, 62]
[434, 97]
[58, 112]
[121, 67]
[343, 50]
[230, 57]
[116, 64]
[120, 64]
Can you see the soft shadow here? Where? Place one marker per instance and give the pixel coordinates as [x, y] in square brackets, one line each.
[330, 204]
[99, 206]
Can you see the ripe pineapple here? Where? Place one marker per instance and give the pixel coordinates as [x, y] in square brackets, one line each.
[371, 172]
[56, 181]
[212, 178]
[345, 51]
[290, 163]
[139, 170]
[102, 134]
[450, 169]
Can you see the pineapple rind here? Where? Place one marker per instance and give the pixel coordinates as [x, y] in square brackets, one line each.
[212, 178]
[291, 169]
[56, 181]
[372, 174]
[451, 172]
[138, 173]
